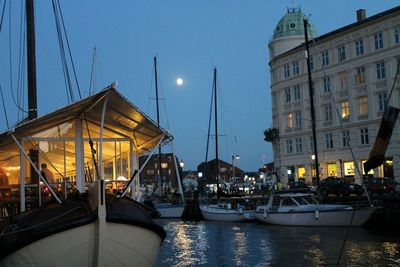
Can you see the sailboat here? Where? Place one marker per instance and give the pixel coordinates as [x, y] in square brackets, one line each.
[299, 209]
[221, 211]
[89, 227]
[167, 209]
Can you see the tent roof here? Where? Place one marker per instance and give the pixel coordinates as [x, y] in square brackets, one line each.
[121, 116]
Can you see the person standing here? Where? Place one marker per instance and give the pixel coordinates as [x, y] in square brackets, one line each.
[47, 174]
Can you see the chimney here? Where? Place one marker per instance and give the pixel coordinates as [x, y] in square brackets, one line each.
[360, 15]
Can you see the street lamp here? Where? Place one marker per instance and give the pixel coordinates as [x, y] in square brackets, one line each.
[233, 166]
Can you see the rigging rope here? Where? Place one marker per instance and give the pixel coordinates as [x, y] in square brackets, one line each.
[2, 14]
[69, 49]
[67, 78]
[4, 107]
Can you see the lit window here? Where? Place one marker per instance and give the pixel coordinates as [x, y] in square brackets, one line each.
[363, 105]
[360, 76]
[345, 109]
[289, 121]
[164, 165]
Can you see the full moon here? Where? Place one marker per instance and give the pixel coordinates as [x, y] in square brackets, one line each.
[179, 81]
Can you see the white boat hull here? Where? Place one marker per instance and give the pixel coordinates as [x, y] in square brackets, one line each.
[212, 213]
[344, 217]
[123, 245]
[170, 210]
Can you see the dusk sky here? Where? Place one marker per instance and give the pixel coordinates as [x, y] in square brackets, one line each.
[189, 38]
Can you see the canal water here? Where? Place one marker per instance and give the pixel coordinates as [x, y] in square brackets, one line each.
[229, 244]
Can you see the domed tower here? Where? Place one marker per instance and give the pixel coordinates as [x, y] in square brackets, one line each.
[289, 32]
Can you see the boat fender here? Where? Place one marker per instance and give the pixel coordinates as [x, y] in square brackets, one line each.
[240, 210]
[265, 213]
[316, 214]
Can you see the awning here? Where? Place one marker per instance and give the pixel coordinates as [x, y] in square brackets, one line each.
[121, 116]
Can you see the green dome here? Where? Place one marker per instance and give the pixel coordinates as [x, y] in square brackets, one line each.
[292, 25]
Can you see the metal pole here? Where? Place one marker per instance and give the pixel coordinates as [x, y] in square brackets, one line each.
[216, 128]
[158, 122]
[31, 54]
[305, 21]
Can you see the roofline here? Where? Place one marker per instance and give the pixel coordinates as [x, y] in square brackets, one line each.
[343, 29]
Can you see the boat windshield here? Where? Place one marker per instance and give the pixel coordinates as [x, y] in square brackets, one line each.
[310, 200]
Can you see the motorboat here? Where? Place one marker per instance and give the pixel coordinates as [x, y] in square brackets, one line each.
[301, 209]
[223, 212]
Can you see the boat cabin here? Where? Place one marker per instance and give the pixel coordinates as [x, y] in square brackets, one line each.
[288, 201]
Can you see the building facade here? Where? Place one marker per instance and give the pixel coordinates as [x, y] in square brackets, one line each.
[353, 71]
[151, 174]
[226, 172]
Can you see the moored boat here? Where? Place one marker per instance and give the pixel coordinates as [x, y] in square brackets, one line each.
[299, 209]
[98, 229]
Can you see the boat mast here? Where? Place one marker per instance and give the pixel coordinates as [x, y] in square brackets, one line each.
[216, 129]
[305, 21]
[30, 36]
[158, 121]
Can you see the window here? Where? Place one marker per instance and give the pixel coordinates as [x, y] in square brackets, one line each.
[329, 141]
[297, 119]
[288, 96]
[289, 121]
[378, 40]
[345, 109]
[382, 98]
[311, 63]
[345, 138]
[327, 84]
[296, 92]
[397, 35]
[359, 47]
[380, 70]
[289, 148]
[296, 70]
[363, 105]
[286, 71]
[325, 58]
[299, 147]
[328, 112]
[341, 53]
[364, 136]
[360, 76]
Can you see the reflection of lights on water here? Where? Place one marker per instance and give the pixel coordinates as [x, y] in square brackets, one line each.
[391, 248]
[239, 242]
[191, 250]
